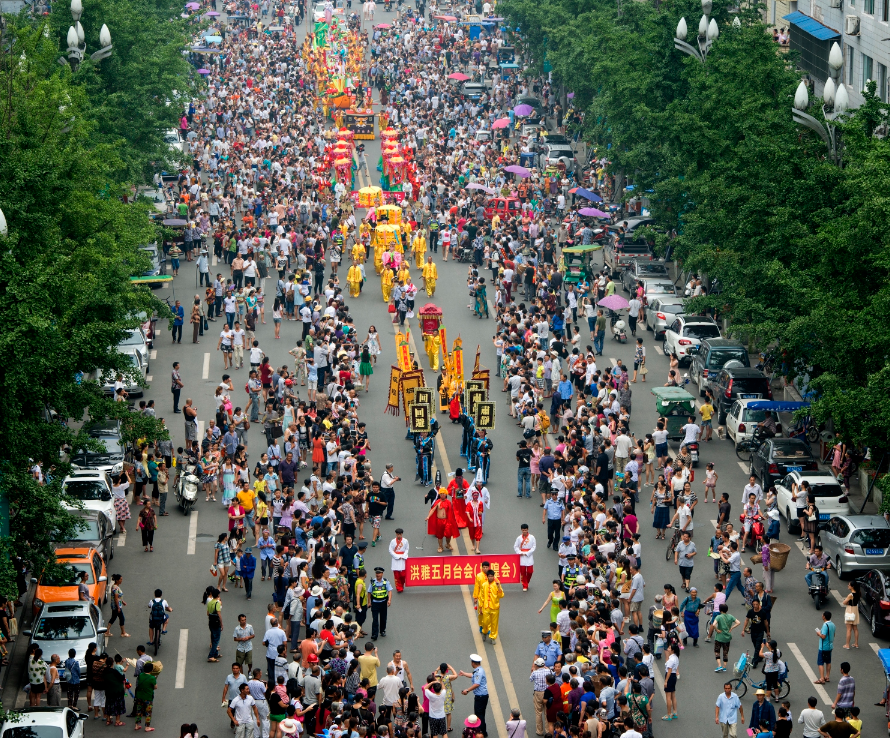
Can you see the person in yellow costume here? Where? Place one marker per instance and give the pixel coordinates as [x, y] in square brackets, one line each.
[418, 246]
[354, 280]
[399, 244]
[481, 579]
[358, 252]
[404, 275]
[378, 259]
[430, 275]
[386, 284]
[490, 595]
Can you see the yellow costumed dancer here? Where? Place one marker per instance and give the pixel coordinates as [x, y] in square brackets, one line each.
[386, 284]
[354, 280]
[490, 594]
[430, 275]
[418, 246]
[378, 259]
[358, 253]
[403, 276]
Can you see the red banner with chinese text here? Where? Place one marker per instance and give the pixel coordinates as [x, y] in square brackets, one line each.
[439, 571]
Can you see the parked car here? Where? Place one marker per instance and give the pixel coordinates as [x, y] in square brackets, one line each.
[556, 152]
[856, 543]
[527, 130]
[534, 102]
[137, 341]
[779, 457]
[657, 286]
[874, 600]
[686, 331]
[93, 488]
[831, 498]
[96, 532]
[483, 135]
[158, 263]
[711, 355]
[619, 256]
[660, 313]
[130, 385]
[642, 269]
[631, 225]
[61, 626]
[742, 420]
[734, 381]
[62, 587]
[473, 90]
[111, 460]
[44, 722]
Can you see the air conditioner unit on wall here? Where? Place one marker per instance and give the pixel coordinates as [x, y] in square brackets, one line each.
[851, 25]
[835, 3]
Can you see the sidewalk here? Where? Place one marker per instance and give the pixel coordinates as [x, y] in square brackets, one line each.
[15, 674]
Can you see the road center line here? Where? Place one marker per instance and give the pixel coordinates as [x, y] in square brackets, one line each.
[206, 372]
[658, 350]
[183, 651]
[200, 429]
[497, 712]
[121, 538]
[193, 532]
[808, 670]
[154, 354]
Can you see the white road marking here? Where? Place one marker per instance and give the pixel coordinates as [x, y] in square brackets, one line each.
[810, 674]
[838, 596]
[193, 532]
[206, 373]
[121, 538]
[714, 523]
[743, 466]
[148, 377]
[658, 350]
[183, 652]
[874, 647]
[200, 430]
[614, 361]
[154, 354]
[214, 261]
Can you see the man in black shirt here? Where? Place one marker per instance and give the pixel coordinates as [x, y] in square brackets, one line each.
[757, 624]
[524, 472]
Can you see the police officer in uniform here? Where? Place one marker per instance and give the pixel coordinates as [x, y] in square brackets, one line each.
[570, 574]
[380, 591]
[358, 562]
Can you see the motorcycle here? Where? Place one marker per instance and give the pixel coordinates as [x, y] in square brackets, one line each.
[619, 328]
[692, 448]
[187, 486]
[818, 589]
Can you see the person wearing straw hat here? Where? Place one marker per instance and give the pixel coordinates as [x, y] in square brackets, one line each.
[289, 726]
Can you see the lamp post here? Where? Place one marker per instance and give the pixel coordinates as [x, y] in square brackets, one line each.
[77, 47]
[707, 34]
[835, 102]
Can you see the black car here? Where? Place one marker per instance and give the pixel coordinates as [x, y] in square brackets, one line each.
[639, 269]
[110, 460]
[874, 600]
[736, 382]
[711, 356]
[780, 456]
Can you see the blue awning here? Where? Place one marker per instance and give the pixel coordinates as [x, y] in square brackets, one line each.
[810, 26]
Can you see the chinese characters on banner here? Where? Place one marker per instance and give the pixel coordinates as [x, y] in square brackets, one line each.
[439, 571]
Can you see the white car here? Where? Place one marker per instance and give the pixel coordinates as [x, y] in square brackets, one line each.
[44, 722]
[138, 343]
[686, 331]
[831, 497]
[318, 12]
[741, 420]
[483, 135]
[93, 488]
[133, 389]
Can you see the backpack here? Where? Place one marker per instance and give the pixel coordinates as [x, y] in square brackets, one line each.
[157, 610]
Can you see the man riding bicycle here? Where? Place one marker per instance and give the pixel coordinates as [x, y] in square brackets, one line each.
[157, 615]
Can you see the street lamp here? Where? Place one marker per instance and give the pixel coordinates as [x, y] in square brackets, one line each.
[76, 44]
[707, 34]
[835, 102]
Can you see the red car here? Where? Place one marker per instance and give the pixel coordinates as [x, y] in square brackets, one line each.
[504, 207]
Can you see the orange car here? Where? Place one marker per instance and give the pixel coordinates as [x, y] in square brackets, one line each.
[64, 588]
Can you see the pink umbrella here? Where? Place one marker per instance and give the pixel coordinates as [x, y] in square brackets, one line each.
[446, 18]
[203, 71]
[501, 123]
[614, 302]
[518, 170]
[523, 110]
[459, 76]
[593, 212]
[383, 25]
[212, 14]
[477, 186]
[192, 6]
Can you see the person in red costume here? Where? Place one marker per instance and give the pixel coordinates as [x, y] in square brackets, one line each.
[475, 511]
[457, 488]
[440, 521]
[454, 409]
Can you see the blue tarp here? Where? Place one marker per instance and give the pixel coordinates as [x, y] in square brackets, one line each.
[884, 656]
[779, 406]
[811, 26]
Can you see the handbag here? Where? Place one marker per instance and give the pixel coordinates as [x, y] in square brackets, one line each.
[246, 425]
[644, 371]
[850, 615]
[391, 308]
[13, 626]
[276, 431]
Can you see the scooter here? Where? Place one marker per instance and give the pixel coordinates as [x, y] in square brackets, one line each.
[818, 590]
[619, 332]
[187, 488]
[692, 448]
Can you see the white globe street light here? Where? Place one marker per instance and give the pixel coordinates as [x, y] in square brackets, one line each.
[707, 34]
[835, 102]
[76, 39]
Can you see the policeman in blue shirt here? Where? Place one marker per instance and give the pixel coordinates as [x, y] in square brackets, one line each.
[479, 688]
[548, 649]
[554, 514]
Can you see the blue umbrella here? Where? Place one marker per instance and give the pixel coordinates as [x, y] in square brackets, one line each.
[588, 195]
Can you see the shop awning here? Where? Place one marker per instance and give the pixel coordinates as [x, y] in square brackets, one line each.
[813, 27]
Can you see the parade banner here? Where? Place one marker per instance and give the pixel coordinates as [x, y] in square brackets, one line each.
[483, 415]
[476, 384]
[419, 417]
[395, 380]
[441, 571]
[424, 396]
[473, 397]
[361, 124]
[410, 381]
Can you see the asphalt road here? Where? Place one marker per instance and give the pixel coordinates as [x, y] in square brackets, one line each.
[432, 625]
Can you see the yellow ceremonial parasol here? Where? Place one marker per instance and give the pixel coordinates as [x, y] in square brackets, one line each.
[370, 197]
[389, 214]
[387, 234]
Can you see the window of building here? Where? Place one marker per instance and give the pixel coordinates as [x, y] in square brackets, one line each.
[881, 79]
[851, 65]
[885, 10]
[867, 70]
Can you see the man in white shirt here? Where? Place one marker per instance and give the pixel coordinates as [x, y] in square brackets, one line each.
[398, 549]
[225, 345]
[623, 445]
[243, 713]
[238, 346]
[390, 686]
[692, 432]
[525, 546]
[752, 488]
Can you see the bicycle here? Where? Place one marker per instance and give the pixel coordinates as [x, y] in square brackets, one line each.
[740, 683]
[672, 546]
[747, 447]
[158, 632]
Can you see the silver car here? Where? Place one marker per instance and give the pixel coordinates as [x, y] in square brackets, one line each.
[856, 543]
[69, 624]
[661, 312]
